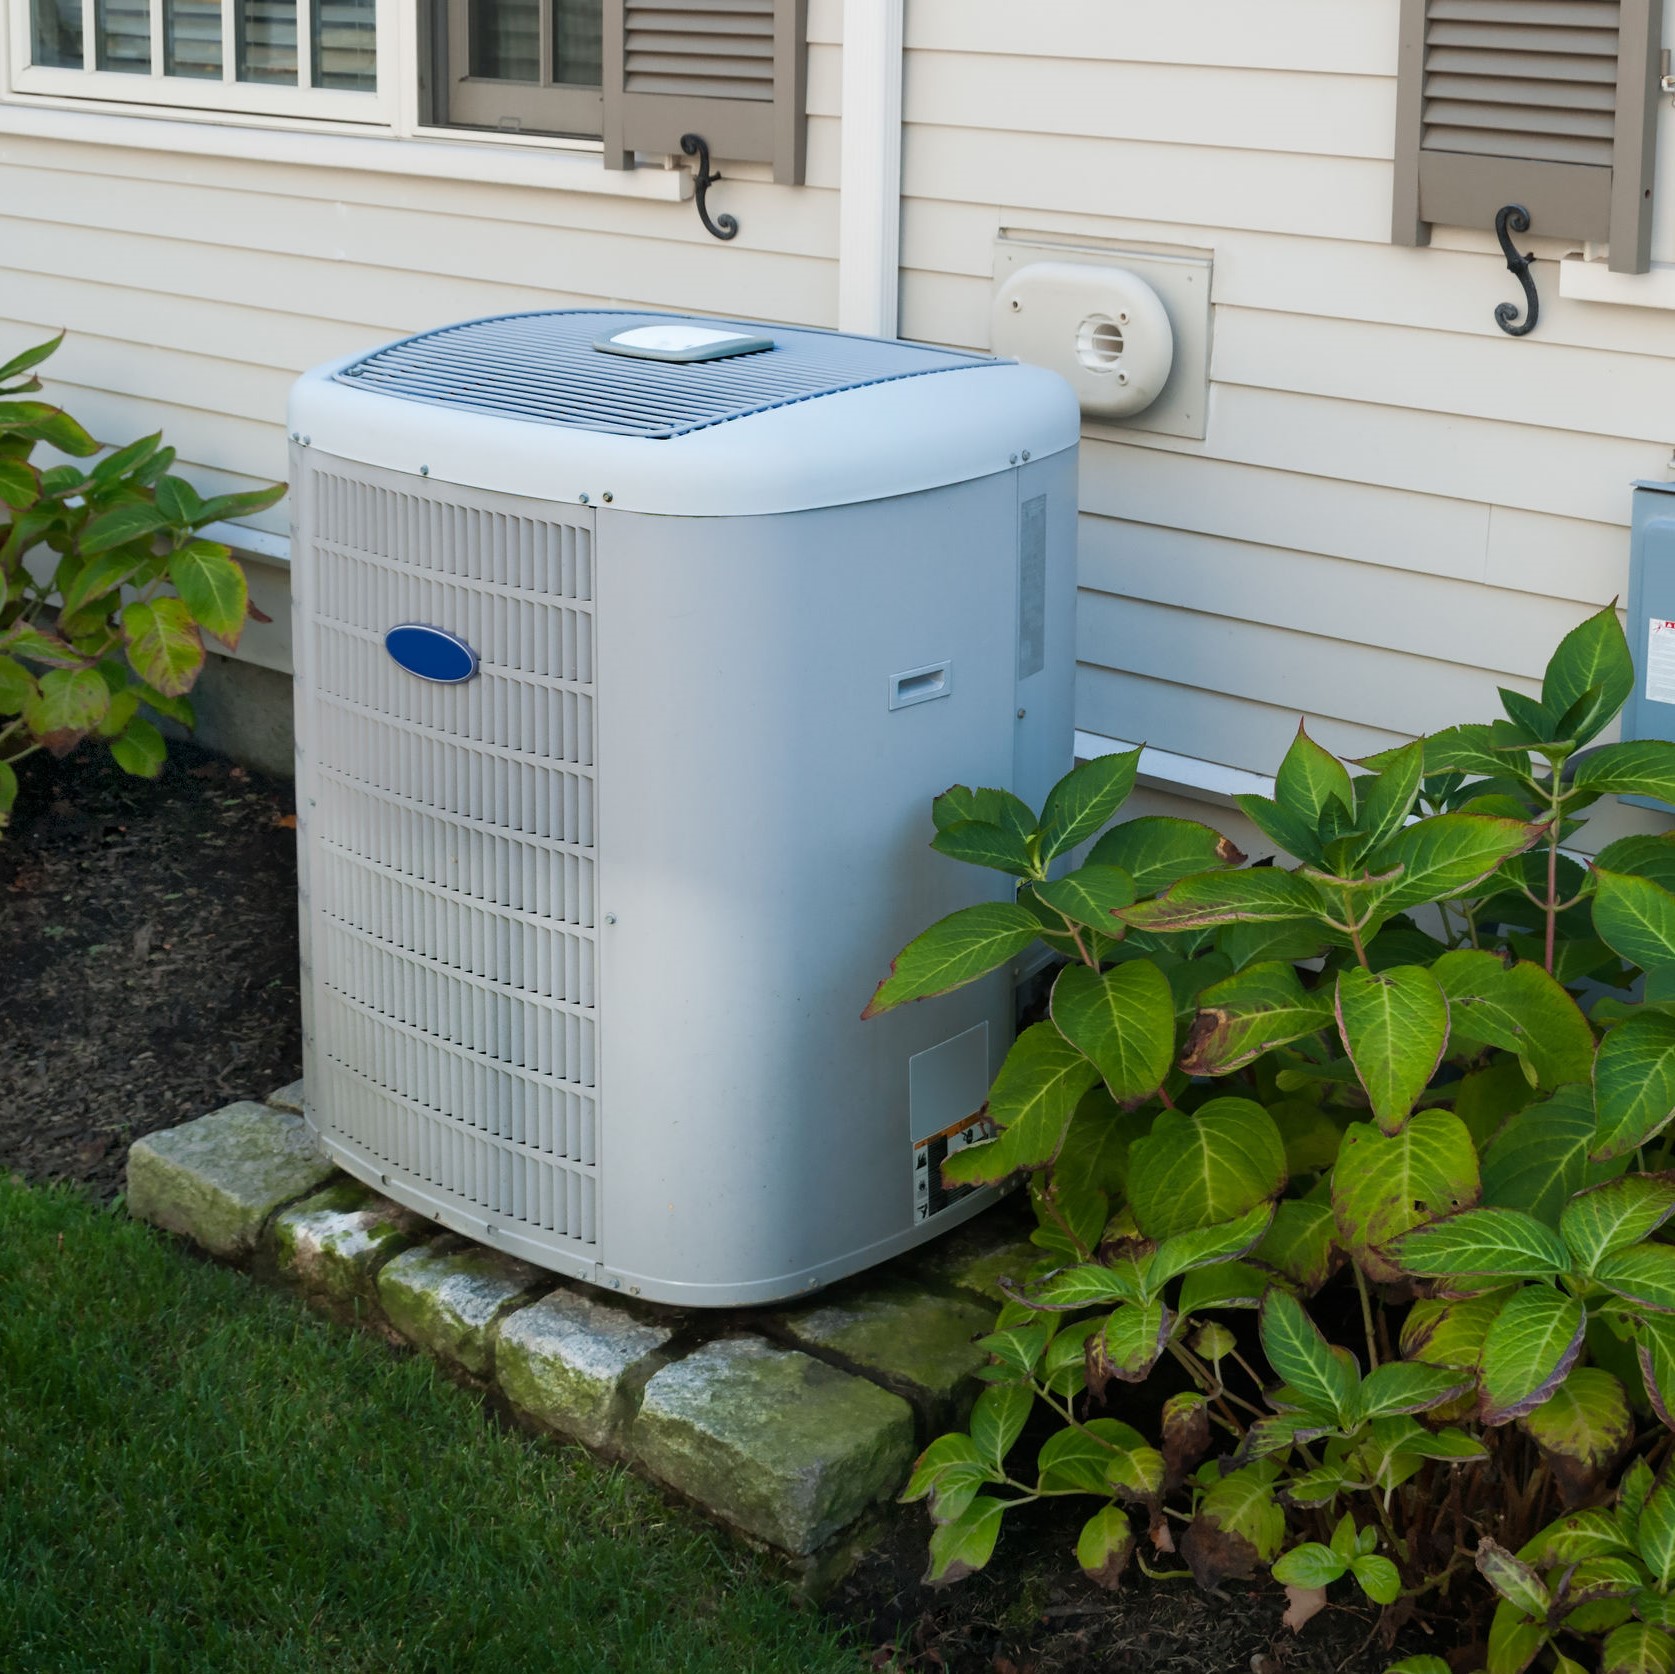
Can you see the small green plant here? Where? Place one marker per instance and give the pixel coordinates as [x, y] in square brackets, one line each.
[106, 588]
[1362, 1162]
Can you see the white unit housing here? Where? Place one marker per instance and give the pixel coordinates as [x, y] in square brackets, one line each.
[603, 857]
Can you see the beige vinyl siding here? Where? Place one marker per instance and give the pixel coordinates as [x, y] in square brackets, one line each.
[194, 289]
[1396, 508]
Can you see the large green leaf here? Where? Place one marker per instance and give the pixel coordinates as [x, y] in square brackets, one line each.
[1310, 779]
[1637, 1648]
[1085, 799]
[1643, 1274]
[1105, 1546]
[1299, 1243]
[1089, 896]
[1483, 1243]
[1129, 1344]
[1250, 1013]
[1094, 1457]
[1643, 767]
[1037, 1091]
[1387, 1184]
[949, 1473]
[1520, 1009]
[1451, 1333]
[1592, 662]
[1584, 1427]
[1446, 856]
[1655, 1534]
[1326, 1382]
[1634, 1083]
[164, 647]
[131, 521]
[1642, 855]
[1539, 1160]
[1242, 1504]
[1635, 918]
[139, 748]
[1200, 1168]
[66, 705]
[1395, 1028]
[1200, 1247]
[998, 1419]
[1311, 1564]
[1404, 1386]
[1530, 1348]
[963, 1546]
[960, 803]
[1614, 1216]
[17, 686]
[953, 952]
[1513, 1579]
[1257, 895]
[980, 844]
[1291, 831]
[28, 358]
[1157, 851]
[1123, 1019]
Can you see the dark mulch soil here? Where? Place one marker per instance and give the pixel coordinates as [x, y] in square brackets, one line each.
[150, 970]
[1033, 1613]
[150, 975]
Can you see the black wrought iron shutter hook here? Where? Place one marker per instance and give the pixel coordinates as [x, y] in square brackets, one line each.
[722, 226]
[1516, 217]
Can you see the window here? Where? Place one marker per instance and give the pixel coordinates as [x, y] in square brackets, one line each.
[281, 57]
[525, 66]
[636, 74]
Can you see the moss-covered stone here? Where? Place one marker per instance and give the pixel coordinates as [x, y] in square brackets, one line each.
[334, 1242]
[569, 1361]
[216, 1180]
[977, 1256]
[288, 1097]
[447, 1297]
[911, 1340]
[782, 1446]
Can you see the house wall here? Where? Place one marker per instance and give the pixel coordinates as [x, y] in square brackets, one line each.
[1395, 508]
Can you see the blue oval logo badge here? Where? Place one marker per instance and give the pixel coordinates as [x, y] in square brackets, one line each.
[430, 653]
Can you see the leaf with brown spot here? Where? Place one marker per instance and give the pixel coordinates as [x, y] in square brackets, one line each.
[1186, 1434]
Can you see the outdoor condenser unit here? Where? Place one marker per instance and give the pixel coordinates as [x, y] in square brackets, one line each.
[630, 652]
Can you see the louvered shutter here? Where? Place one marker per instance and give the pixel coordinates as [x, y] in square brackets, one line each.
[734, 71]
[1547, 103]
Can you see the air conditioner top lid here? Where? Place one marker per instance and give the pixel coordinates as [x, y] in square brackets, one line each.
[549, 405]
[547, 369]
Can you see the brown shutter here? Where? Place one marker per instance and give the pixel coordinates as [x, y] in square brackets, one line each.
[734, 71]
[1547, 103]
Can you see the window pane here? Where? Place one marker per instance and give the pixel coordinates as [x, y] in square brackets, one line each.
[124, 39]
[192, 38]
[56, 34]
[506, 39]
[267, 41]
[344, 39]
[578, 42]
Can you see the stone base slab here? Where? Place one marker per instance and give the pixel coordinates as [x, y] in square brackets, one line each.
[795, 1426]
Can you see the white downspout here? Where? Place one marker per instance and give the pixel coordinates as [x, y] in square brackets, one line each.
[869, 210]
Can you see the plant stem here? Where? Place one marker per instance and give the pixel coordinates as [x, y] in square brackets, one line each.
[1366, 1316]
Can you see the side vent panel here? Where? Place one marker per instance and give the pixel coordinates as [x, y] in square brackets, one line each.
[449, 901]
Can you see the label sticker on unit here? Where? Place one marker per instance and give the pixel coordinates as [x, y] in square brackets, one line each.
[431, 653]
[1660, 661]
[930, 1195]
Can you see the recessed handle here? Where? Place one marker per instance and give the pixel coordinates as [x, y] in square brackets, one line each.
[920, 685]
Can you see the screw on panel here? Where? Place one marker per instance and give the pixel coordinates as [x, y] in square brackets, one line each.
[1012, 459]
[1026, 456]
[582, 498]
[424, 470]
[610, 918]
[607, 497]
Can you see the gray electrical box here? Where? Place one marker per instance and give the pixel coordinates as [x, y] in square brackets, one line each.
[1650, 711]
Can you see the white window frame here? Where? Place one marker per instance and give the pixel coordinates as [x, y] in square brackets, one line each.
[164, 93]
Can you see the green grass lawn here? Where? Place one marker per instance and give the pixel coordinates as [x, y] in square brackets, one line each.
[197, 1473]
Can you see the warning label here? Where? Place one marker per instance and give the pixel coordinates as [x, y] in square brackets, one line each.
[1660, 661]
[930, 1196]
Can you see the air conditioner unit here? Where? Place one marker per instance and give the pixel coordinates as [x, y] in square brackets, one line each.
[630, 651]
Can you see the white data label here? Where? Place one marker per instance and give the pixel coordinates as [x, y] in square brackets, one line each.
[1660, 661]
